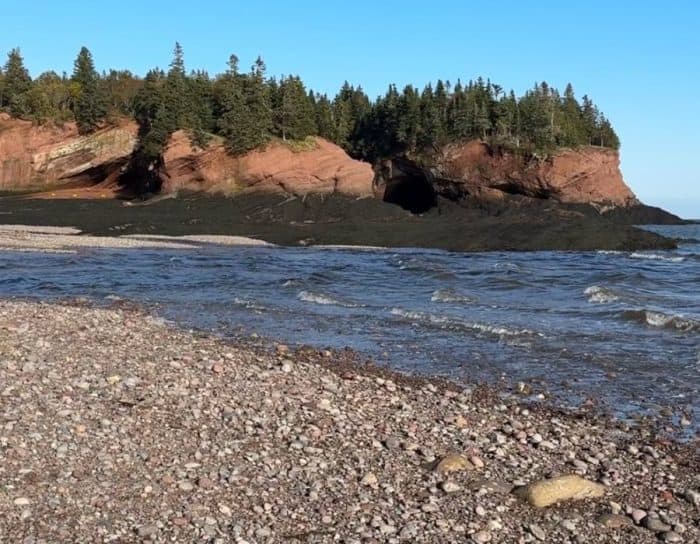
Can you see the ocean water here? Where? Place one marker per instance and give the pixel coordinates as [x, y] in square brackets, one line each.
[622, 328]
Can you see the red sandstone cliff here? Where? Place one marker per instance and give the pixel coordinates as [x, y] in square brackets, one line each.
[319, 167]
[585, 174]
[33, 156]
[45, 156]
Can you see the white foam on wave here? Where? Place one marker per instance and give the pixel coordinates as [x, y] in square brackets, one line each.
[600, 295]
[608, 252]
[324, 300]
[249, 304]
[506, 267]
[663, 320]
[447, 321]
[657, 257]
[680, 322]
[448, 296]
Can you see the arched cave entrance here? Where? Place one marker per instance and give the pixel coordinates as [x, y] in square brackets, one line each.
[414, 193]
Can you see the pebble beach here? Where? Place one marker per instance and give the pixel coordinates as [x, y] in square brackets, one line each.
[116, 426]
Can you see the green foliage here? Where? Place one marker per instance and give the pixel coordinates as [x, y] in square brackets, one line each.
[293, 110]
[120, 88]
[244, 108]
[16, 85]
[249, 109]
[298, 146]
[90, 104]
[538, 122]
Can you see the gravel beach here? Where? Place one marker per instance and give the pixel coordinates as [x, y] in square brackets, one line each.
[62, 239]
[118, 427]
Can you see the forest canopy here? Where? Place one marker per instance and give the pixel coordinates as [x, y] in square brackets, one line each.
[248, 108]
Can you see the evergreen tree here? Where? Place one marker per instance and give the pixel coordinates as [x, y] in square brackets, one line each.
[294, 112]
[151, 115]
[90, 106]
[176, 96]
[323, 113]
[16, 86]
[201, 115]
[589, 120]
[231, 109]
[245, 108]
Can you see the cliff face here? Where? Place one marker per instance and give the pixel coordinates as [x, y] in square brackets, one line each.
[583, 175]
[33, 156]
[321, 168]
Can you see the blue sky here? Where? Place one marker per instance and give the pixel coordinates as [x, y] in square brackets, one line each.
[638, 60]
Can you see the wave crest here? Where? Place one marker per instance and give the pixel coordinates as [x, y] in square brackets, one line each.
[448, 322]
[324, 300]
[657, 257]
[600, 295]
[448, 296]
[664, 321]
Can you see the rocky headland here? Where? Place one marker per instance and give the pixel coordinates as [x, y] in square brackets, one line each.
[467, 196]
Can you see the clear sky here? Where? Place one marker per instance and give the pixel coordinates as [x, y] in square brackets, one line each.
[639, 60]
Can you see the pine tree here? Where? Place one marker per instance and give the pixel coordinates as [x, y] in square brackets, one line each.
[431, 130]
[325, 124]
[589, 119]
[150, 113]
[176, 96]
[245, 107]
[258, 106]
[343, 115]
[201, 116]
[17, 84]
[90, 106]
[294, 115]
[231, 109]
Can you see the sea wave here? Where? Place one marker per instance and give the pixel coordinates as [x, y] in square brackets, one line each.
[657, 257]
[450, 322]
[600, 295]
[424, 266]
[506, 267]
[324, 300]
[448, 296]
[249, 304]
[664, 321]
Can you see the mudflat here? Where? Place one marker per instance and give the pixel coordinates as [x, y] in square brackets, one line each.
[517, 223]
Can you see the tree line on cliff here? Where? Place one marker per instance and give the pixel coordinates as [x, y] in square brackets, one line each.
[249, 108]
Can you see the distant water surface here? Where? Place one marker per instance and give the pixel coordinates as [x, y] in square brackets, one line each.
[622, 327]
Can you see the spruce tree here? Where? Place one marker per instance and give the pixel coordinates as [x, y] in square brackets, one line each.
[178, 106]
[294, 115]
[17, 84]
[231, 109]
[325, 124]
[151, 115]
[90, 106]
[245, 107]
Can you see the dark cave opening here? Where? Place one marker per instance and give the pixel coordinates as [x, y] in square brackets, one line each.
[413, 193]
